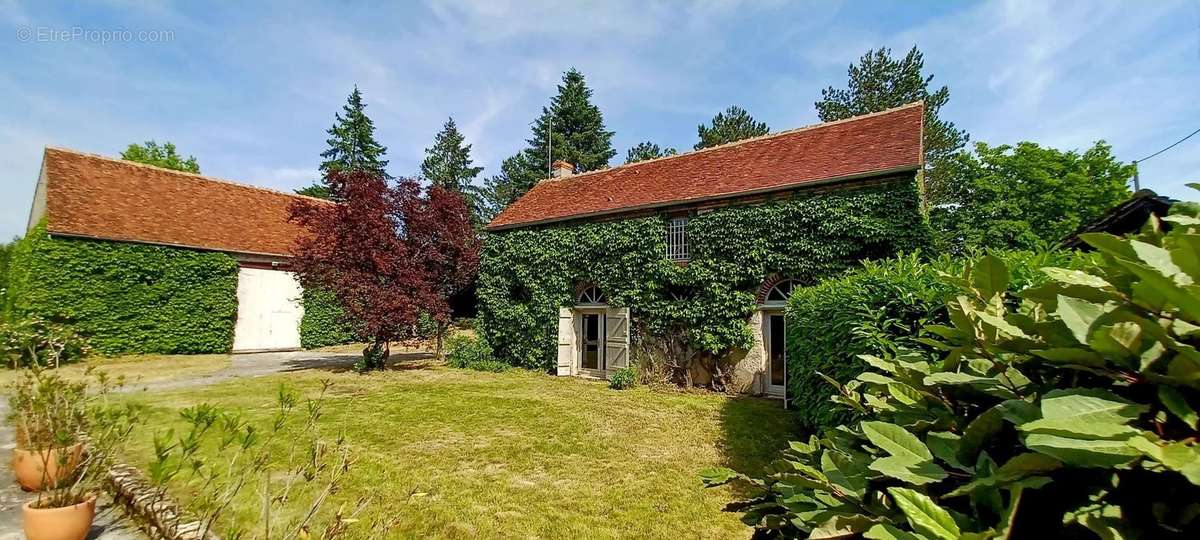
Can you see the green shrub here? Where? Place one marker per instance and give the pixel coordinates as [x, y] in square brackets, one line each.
[125, 297]
[867, 311]
[527, 274]
[623, 378]
[37, 343]
[1071, 407]
[324, 322]
[464, 351]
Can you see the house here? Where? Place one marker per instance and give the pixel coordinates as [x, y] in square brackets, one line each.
[233, 240]
[694, 256]
[1125, 218]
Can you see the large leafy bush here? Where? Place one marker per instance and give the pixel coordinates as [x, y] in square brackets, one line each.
[1069, 408]
[38, 343]
[872, 310]
[126, 297]
[527, 274]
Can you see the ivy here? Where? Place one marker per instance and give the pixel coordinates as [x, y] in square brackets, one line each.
[126, 297]
[527, 274]
[324, 322]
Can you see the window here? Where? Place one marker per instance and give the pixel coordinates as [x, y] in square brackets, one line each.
[592, 296]
[779, 294]
[677, 248]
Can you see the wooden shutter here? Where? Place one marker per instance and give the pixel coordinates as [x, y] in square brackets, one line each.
[616, 338]
[566, 341]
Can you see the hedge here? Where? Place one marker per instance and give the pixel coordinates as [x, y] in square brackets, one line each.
[527, 274]
[126, 297]
[873, 309]
[323, 323]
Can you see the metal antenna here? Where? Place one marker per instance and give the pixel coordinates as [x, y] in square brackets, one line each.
[550, 147]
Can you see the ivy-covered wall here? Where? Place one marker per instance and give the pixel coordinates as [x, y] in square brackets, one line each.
[323, 323]
[126, 297]
[527, 274]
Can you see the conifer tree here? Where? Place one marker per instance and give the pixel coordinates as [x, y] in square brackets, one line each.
[879, 82]
[352, 146]
[647, 150]
[448, 162]
[579, 137]
[733, 124]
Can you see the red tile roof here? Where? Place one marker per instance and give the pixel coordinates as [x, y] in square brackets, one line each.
[97, 197]
[888, 141]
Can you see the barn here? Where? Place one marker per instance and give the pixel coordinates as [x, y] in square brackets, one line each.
[148, 259]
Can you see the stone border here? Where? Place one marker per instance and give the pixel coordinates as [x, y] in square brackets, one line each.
[157, 514]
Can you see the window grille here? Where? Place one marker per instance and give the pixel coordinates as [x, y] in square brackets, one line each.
[592, 295]
[677, 248]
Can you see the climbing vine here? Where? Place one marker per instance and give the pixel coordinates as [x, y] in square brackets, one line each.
[126, 297]
[527, 274]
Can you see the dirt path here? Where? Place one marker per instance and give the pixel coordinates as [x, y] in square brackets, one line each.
[110, 525]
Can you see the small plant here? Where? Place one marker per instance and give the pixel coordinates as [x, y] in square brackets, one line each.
[623, 378]
[68, 436]
[472, 352]
[36, 342]
[220, 457]
[1072, 407]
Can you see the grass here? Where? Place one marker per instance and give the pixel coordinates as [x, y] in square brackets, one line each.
[456, 453]
[145, 368]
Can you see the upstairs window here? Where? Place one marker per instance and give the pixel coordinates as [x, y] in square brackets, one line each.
[677, 247]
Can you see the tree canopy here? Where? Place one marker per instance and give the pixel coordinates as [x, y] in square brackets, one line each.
[448, 165]
[647, 150]
[388, 253]
[879, 82]
[448, 162]
[579, 137]
[352, 146]
[165, 156]
[732, 124]
[1025, 195]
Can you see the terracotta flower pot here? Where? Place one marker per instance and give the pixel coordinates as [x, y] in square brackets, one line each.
[66, 523]
[27, 465]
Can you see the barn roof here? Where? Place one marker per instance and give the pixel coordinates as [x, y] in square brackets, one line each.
[91, 196]
[873, 144]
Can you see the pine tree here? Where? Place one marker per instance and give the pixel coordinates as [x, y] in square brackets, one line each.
[734, 124]
[448, 165]
[448, 162]
[879, 82]
[352, 145]
[647, 150]
[579, 138]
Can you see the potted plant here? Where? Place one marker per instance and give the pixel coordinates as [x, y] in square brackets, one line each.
[68, 434]
[48, 414]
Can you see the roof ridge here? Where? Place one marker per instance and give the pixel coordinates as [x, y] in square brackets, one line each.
[745, 141]
[181, 173]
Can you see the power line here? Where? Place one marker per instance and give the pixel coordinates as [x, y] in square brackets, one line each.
[1169, 147]
[1137, 181]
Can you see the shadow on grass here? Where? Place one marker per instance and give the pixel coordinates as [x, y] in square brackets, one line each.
[755, 430]
[341, 363]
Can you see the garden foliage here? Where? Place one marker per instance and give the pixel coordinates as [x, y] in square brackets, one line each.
[33, 342]
[470, 352]
[1070, 407]
[871, 310]
[126, 297]
[324, 323]
[527, 274]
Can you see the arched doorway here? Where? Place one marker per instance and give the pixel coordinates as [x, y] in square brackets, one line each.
[593, 337]
[774, 333]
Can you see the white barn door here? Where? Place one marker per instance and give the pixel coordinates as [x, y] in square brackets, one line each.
[269, 310]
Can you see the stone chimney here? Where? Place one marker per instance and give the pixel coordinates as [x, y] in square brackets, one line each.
[561, 169]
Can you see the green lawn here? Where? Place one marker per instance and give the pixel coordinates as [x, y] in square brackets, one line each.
[455, 453]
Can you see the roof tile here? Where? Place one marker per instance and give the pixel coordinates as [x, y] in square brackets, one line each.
[98, 197]
[855, 147]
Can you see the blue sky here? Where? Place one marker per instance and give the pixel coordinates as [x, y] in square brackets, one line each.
[249, 88]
